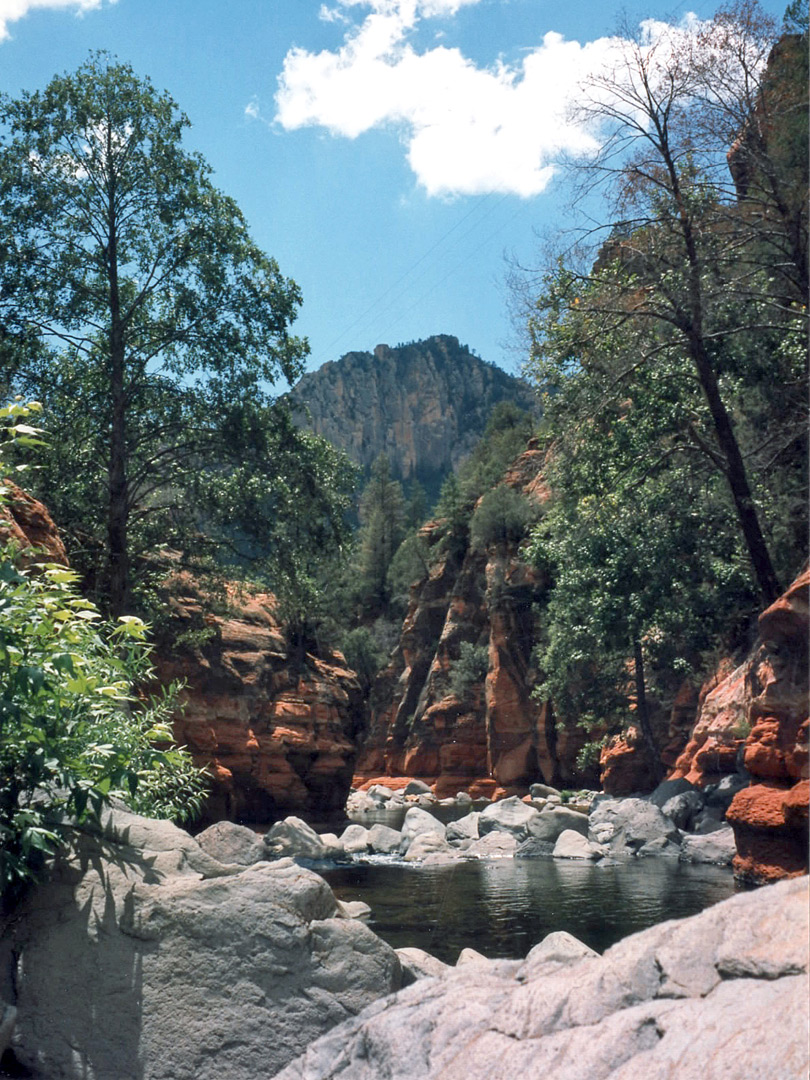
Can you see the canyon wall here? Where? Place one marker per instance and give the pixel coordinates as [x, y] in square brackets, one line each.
[276, 732]
[492, 738]
[424, 405]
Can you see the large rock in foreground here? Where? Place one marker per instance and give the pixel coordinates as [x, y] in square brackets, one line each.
[722, 994]
[143, 958]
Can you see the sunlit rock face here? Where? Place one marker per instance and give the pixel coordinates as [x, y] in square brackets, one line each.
[494, 739]
[276, 732]
[424, 405]
[757, 717]
[26, 522]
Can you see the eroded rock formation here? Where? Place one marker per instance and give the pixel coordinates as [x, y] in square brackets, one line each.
[495, 738]
[26, 522]
[276, 731]
[756, 719]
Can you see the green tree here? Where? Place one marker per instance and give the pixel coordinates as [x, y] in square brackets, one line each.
[160, 319]
[685, 253]
[382, 518]
[74, 731]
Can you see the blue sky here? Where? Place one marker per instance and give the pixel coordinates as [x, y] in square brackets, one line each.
[388, 153]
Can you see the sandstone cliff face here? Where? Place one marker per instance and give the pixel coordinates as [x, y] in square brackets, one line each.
[26, 522]
[276, 735]
[496, 739]
[424, 405]
[757, 717]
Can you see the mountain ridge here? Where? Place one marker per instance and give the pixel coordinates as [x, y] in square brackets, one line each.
[424, 404]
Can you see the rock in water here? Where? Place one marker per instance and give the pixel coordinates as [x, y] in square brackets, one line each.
[162, 964]
[721, 994]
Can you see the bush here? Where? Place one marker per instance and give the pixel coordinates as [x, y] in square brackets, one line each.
[73, 729]
[503, 516]
[470, 669]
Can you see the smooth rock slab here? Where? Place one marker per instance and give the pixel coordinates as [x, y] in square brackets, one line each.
[716, 847]
[152, 972]
[573, 845]
[293, 838]
[719, 996]
[383, 840]
[231, 843]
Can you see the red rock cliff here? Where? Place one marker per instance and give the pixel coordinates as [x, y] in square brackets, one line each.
[759, 714]
[496, 738]
[277, 736]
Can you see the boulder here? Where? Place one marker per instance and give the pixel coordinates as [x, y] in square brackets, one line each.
[682, 809]
[163, 964]
[465, 828]
[716, 847]
[542, 791]
[230, 843]
[353, 909]
[418, 964]
[293, 838]
[417, 787]
[721, 994]
[333, 848]
[720, 796]
[635, 822]
[667, 789]
[470, 956]
[556, 950]
[534, 849]
[510, 816]
[380, 794]
[425, 844]
[573, 845]
[495, 845]
[355, 840]
[383, 840]
[555, 820]
[419, 821]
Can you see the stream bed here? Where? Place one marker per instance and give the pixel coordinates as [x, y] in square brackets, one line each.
[502, 907]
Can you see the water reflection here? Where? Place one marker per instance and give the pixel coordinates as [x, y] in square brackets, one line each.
[502, 907]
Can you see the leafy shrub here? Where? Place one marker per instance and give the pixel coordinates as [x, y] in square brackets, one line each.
[470, 669]
[363, 654]
[73, 729]
[503, 516]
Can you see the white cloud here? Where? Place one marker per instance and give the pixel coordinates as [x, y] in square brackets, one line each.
[12, 10]
[467, 129]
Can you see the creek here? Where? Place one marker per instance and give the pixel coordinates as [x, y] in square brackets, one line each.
[502, 907]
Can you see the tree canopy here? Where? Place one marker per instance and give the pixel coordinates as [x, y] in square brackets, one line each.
[136, 306]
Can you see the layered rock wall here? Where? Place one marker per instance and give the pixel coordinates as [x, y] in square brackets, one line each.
[495, 738]
[755, 721]
[277, 733]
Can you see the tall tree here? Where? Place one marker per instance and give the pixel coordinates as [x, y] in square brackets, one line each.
[162, 317]
[382, 516]
[677, 230]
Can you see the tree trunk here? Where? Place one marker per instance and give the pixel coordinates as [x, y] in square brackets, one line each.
[643, 714]
[118, 504]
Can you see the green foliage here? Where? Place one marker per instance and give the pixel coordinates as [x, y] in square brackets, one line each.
[73, 729]
[469, 670]
[158, 323]
[502, 517]
[410, 564]
[363, 653]
[382, 517]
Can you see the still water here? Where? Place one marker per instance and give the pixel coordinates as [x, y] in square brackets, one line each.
[502, 907]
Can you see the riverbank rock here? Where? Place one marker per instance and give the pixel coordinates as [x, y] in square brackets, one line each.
[760, 712]
[276, 732]
[722, 994]
[143, 958]
[230, 843]
[716, 847]
[627, 825]
[293, 838]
